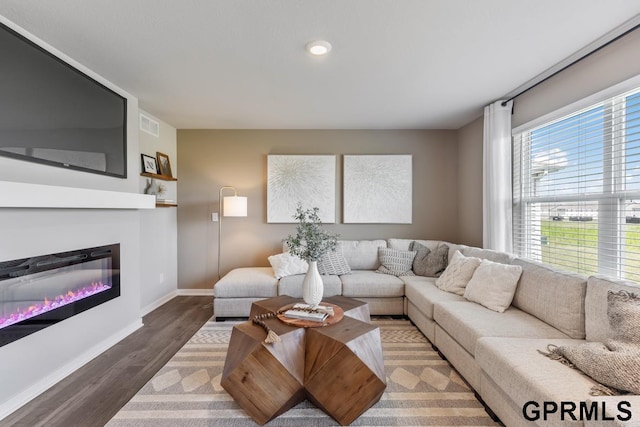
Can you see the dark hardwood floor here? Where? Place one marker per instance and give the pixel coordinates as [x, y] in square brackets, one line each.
[92, 395]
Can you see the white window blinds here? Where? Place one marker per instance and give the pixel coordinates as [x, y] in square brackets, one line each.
[576, 189]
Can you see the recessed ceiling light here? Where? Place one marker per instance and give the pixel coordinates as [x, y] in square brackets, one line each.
[318, 47]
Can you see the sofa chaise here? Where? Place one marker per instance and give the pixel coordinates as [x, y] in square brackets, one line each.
[498, 353]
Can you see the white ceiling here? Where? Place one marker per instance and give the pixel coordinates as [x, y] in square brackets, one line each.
[395, 64]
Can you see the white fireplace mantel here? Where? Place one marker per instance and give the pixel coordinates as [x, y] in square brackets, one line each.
[25, 195]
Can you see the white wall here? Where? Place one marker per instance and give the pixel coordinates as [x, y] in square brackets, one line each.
[32, 364]
[158, 227]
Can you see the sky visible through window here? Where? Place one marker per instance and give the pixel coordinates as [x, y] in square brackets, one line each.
[567, 156]
[632, 136]
[578, 166]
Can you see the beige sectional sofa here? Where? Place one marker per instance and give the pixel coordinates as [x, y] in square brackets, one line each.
[497, 353]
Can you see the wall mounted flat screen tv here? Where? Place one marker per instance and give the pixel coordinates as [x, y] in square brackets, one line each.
[54, 114]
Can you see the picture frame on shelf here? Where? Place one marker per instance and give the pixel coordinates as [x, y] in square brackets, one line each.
[163, 164]
[149, 164]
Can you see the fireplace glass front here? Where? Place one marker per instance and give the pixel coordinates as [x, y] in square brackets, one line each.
[40, 291]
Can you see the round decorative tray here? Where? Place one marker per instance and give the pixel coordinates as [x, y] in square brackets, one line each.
[338, 314]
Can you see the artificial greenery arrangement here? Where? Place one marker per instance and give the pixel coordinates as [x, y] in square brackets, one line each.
[310, 242]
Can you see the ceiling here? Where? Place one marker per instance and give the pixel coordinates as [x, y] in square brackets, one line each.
[395, 64]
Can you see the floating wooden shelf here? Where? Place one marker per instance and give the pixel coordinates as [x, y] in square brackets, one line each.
[166, 205]
[156, 176]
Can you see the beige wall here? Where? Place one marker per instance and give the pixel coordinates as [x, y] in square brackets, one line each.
[605, 68]
[209, 159]
[470, 183]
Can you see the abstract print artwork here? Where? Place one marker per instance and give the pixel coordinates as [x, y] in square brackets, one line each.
[308, 180]
[377, 189]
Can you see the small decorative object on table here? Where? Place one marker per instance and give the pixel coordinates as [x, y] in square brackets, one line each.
[303, 315]
[310, 243]
[318, 313]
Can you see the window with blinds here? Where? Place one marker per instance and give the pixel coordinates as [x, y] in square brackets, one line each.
[576, 189]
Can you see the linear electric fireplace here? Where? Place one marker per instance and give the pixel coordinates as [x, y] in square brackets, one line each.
[39, 291]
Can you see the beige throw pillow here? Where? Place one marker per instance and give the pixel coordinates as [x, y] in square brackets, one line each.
[455, 277]
[493, 285]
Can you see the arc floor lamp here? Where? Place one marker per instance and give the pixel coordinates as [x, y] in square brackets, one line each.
[233, 206]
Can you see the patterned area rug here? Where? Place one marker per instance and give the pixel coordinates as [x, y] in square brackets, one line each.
[422, 389]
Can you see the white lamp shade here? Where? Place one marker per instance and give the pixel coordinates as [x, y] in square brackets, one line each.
[235, 206]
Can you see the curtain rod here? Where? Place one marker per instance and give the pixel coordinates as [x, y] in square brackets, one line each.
[586, 55]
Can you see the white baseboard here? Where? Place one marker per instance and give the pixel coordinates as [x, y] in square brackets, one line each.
[196, 292]
[45, 383]
[157, 303]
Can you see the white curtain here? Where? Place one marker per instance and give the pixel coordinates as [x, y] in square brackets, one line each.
[496, 179]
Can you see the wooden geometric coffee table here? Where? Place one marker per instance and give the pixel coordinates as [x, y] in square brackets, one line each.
[339, 367]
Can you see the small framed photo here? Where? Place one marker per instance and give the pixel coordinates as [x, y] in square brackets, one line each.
[163, 164]
[149, 164]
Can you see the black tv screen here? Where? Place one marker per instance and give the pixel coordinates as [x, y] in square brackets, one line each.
[52, 113]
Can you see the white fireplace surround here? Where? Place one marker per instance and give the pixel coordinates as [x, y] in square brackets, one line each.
[25, 195]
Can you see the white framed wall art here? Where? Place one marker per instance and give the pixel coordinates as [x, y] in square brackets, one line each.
[378, 189]
[306, 179]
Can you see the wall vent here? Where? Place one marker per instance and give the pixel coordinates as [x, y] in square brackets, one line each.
[148, 125]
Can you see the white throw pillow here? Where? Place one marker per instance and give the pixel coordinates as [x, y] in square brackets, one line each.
[493, 285]
[455, 277]
[285, 264]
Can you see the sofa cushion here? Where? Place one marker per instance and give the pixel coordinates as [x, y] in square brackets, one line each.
[467, 322]
[458, 273]
[292, 286]
[362, 254]
[395, 262]
[365, 283]
[427, 262]
[493, 285]
[610, 406]
[596, 320]
[404, 244]
[423, 293]
[525, 375]
[286, 264]
[552, 295]
[491, 255]
[333, 263]
[256, 282]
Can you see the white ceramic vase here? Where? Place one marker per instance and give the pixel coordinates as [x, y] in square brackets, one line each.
[312, 286]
